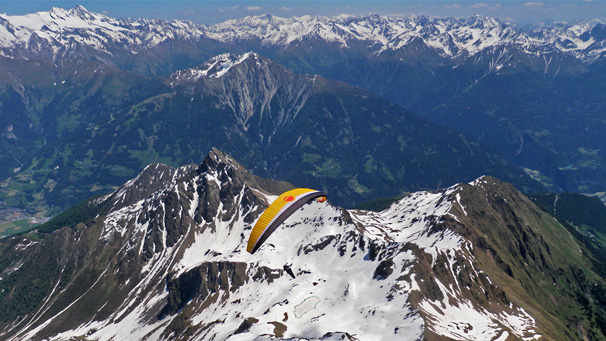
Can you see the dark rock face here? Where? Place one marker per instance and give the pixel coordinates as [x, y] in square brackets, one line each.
[246, 324]
[203, 281]
[384, 269]
[153, 178]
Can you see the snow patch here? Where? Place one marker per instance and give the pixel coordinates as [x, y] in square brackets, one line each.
[459, 319]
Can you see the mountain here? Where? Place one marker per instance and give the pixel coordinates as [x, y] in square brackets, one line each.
[300, 128]
[166, 259]
[61, 35]
[531, 93]
[541, 112]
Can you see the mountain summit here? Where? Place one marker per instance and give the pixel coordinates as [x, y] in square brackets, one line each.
[168, 260]
[218, 66]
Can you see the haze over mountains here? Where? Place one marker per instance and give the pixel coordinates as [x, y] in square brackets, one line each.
[347, 141]
[76, 127]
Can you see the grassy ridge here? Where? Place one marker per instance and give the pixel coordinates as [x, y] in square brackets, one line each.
[80, 213]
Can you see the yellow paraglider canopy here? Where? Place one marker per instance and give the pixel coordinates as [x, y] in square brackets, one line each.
[284, 206]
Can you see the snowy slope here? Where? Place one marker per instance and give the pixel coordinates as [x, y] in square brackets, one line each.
[60, 32]
[360, 274]
[214, 68]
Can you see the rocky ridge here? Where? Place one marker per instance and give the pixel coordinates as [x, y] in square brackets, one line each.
[471, 261]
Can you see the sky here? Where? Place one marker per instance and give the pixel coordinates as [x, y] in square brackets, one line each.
[213, 11]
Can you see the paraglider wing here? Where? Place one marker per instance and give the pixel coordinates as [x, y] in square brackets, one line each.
[284, 206]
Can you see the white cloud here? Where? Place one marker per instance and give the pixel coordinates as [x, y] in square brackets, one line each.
[452, 6]
[253, 8]
[533, 4]
[284, 8]
[186, 12]
[479, 5]
[496, 7]
[233, 8]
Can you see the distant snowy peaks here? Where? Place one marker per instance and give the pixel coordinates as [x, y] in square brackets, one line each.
[78, 11]
[272, 30]
[63, 30]
[451, 37]
[380, 32]
[21, 28]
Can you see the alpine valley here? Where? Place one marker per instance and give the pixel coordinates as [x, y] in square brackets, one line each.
[532, 94]
[95, 99]
[75, 127]
[164, 257]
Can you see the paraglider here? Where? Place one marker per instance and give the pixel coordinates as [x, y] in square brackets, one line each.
[283, 207]
[288, 269]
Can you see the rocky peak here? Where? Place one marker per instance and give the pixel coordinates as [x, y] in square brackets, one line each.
[224, 168]
[219, 66]
[153, 178]
[216, 161]
[262, 95]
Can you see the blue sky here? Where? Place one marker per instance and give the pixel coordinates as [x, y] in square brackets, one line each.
[208, 11]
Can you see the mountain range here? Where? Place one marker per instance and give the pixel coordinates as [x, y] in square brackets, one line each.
[164, 257]
[532, 95]
[63, 33]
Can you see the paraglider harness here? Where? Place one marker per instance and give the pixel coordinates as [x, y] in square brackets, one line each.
[289, 270]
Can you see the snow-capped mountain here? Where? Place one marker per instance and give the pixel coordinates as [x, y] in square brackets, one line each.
[164, 257]
[74, 32]
[256, 89]
[215, 67]
[379, 33]
[64, 33]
